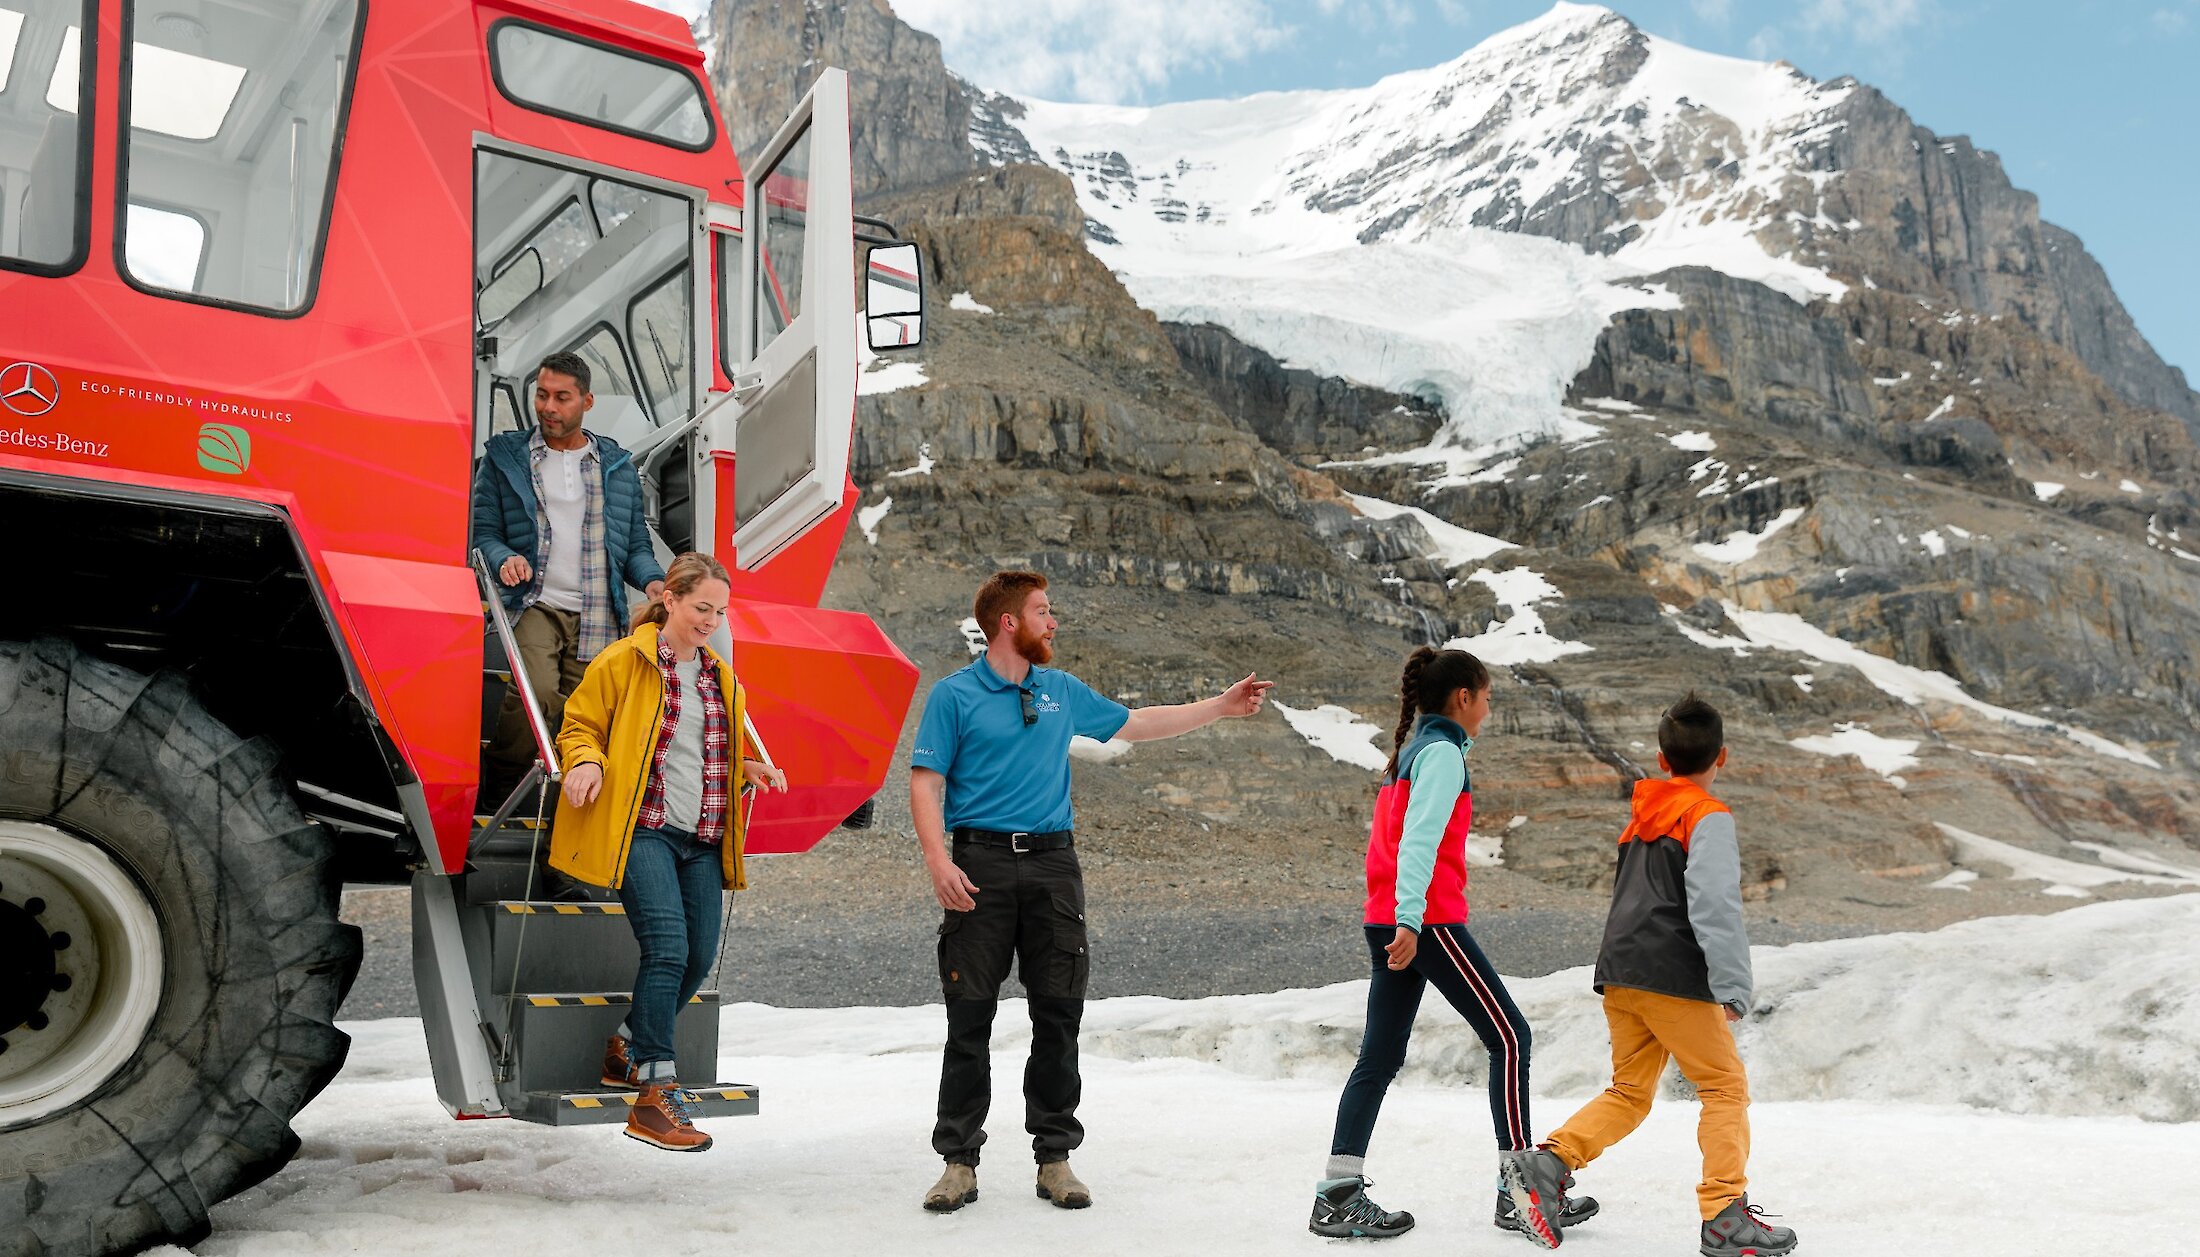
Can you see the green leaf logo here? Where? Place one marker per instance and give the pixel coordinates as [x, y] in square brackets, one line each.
[224, 448]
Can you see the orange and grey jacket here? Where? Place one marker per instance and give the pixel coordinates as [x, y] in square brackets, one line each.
[1676, 922]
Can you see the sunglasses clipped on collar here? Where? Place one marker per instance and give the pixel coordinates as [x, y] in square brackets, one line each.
[1031, 713]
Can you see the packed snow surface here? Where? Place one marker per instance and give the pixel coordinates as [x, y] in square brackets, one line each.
[1387, 233]
[2070, 878]
[1092, 750]
[1339, 732]
[1449, 544]
[2013, 1048]
[1522, 637]
[1915, 686]
[1741, 546]
[1885, 756]
[868, 517]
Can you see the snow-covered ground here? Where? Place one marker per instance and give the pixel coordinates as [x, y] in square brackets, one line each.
[1916, 1093]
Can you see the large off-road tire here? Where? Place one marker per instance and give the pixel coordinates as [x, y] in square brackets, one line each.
[170, 957]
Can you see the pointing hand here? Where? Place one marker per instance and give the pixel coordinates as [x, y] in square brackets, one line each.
[1244, 698]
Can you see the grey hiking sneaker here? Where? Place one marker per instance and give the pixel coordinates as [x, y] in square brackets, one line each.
[958, 1186]
[1572, 1210]
[1535, 1181]
[1343, 1210]
[1740, 1229]
[1058, 1184]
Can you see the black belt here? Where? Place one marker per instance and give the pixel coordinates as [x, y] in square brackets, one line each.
[1021, 843]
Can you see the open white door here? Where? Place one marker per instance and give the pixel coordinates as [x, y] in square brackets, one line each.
[792, 411]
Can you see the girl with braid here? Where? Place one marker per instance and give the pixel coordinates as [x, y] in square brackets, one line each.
[1417, 937]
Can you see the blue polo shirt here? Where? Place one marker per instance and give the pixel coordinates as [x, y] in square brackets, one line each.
[1002, 773]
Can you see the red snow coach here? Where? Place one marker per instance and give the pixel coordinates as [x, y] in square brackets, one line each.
[271, 272]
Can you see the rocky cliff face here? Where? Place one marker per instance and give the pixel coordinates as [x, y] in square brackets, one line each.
[915, 117]
[1938, 217]
[1747, 486]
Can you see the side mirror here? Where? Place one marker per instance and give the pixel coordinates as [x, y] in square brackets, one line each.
[893, 298]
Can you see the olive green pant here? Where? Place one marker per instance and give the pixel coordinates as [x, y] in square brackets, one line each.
[549, 656]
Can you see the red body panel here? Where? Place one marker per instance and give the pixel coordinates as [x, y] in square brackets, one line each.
[360, 412]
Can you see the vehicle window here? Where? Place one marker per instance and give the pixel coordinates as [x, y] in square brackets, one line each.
[166, 248]
[780, 227]
[44, 154]
[625, 91]
[660, 329]
[610, 380]
[730, 261]
[235, 123]
[503, 410]
[614, 203]
[517, 283]
[562, 239]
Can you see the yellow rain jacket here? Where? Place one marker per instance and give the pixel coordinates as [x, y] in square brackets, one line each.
[614, 719]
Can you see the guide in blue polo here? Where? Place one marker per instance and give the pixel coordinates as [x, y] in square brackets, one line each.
[991, 769]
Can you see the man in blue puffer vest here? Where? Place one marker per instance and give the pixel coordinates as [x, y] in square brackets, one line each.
[558, 514]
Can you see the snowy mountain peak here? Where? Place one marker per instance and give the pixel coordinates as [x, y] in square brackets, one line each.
[1576, 126]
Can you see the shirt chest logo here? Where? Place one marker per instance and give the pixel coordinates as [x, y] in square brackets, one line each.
[1045, 704]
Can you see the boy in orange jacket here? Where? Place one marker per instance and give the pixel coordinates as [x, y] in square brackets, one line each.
[1674, 972]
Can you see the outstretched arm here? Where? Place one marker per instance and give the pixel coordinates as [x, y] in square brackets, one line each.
[1148, 724]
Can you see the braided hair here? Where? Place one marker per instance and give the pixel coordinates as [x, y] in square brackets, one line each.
[1429, 679]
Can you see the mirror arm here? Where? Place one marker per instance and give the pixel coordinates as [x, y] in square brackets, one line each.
[892, 236]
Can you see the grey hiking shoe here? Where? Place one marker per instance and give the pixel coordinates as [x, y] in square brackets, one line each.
[1058, 1184]
[1572, 1210]
[1343, 1210]
[1741, 1229]
[958, 1186]
[1536, 1182]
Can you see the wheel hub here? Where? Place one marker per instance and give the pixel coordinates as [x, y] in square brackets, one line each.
[26, 962]
[80, 969]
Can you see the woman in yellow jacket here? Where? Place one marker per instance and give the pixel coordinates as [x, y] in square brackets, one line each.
[655, 753]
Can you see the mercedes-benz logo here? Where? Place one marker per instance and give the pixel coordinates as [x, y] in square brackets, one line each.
[29, 389]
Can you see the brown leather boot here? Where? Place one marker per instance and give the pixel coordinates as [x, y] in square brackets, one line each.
[958, 1186]
[1057, 1184]
[618, 1067]
[660, 1118]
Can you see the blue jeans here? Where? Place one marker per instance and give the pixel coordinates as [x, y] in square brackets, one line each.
[671, 892]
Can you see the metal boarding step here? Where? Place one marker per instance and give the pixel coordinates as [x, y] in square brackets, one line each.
[550, 976]
[584, 1108]
[557, 1040]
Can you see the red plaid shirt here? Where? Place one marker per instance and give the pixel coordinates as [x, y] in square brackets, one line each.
[717, 749]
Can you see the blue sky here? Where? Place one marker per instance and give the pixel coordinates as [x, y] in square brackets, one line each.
[2092, 104]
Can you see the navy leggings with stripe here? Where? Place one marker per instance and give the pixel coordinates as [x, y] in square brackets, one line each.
[1447, 957]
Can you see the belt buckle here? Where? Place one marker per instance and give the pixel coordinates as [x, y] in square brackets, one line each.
[1017, 841]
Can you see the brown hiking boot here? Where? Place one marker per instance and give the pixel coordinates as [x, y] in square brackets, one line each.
[618, 1067]
[958, 1186]
[660, 1118]
[1058, 1184]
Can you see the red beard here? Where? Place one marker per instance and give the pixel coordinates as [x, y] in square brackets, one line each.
[1033, 646]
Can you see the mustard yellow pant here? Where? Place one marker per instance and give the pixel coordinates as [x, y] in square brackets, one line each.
[1647, 1030]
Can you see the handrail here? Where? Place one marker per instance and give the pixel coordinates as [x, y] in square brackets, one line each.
[757, 742]
[492, 597]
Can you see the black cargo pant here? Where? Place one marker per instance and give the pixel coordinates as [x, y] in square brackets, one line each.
[1031, 908]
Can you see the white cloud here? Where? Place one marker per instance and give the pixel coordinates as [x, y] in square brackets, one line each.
[1867, 20]
[1716, 11]
[2172, 21]
[1103, 51]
